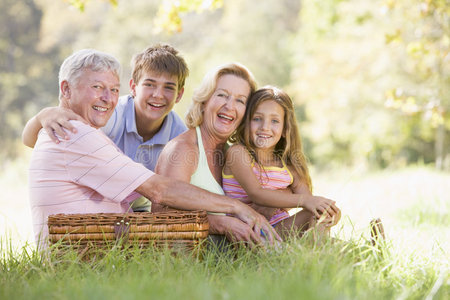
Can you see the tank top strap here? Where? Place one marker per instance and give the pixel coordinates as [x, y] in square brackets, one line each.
[202, 176]
[287, 170]
[201, 150]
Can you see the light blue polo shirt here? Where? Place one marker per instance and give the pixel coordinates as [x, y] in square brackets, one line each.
[121, 128]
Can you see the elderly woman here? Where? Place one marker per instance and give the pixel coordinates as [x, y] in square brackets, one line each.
[197, 156]
[218, 109]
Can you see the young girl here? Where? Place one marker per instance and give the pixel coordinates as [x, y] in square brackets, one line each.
[266, 166]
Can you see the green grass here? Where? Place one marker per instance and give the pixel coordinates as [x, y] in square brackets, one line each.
[413, 203]
[421, 214]
[300, 270]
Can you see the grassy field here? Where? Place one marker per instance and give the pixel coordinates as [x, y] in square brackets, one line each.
[413, 203]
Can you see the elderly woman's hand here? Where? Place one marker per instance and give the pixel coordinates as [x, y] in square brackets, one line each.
[238, 231]
[258, 223]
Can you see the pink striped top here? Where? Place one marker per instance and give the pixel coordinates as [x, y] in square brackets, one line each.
[271, 178]
[86, 174]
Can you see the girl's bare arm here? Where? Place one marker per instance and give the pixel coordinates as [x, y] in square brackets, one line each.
[325, 207]
[238, 162]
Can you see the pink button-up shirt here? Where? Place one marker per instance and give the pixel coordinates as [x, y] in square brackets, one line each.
[86, 174]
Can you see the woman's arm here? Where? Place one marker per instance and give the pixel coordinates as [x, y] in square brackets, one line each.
[238, 162]
[179, 160]
[54, 120]
[181, 195]
[170, 162]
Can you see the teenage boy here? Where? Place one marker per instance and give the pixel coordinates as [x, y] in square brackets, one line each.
[89, 174]
[143, 122]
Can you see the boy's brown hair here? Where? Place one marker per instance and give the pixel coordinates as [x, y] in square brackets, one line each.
[162, 59]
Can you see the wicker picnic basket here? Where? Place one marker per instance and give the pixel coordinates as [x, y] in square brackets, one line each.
[170, 228]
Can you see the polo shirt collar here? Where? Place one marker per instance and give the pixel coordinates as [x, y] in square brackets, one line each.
[162, 137]
[130, 116]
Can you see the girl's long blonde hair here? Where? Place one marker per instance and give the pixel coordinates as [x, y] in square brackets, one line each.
[289, 148]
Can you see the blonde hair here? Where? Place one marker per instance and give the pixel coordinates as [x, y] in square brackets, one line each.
[194, 115]
[289, 148]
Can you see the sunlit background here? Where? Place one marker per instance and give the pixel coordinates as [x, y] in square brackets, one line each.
[370, 80]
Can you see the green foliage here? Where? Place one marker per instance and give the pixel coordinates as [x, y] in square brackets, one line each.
[365, 100]
[81, 4]
[412, 203]
[26, 73]
[369, 77]
[169, 19]
[353, 269]
[425, 39]
[421, 214]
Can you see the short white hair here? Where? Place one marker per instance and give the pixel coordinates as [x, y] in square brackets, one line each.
[94, 60]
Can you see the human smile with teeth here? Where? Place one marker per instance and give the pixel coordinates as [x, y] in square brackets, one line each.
[225, 117]
[226, 107]
[99, 89]
[156, 105]
[98, 108]
[155, 95]
[266, 126]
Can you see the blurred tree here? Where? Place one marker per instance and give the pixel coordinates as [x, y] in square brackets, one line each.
[169, 12]
[422, 30]
[330, 55]
[223, 32]
[81, 4]
[341, 72]
[209, 26]
[27, 74]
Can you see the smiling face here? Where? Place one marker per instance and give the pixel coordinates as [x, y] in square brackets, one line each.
[224, 111]
[154, 96]
[93, 96]
[266, 125]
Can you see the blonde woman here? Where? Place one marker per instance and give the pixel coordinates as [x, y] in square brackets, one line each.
[197, 156]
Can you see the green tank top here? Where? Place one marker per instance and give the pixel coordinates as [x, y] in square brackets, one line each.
[203, 177]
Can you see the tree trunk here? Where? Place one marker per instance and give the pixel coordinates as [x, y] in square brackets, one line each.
[439, 146]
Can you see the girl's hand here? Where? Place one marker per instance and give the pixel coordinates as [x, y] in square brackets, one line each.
[321, 206]
[330, 221]
[55, 120]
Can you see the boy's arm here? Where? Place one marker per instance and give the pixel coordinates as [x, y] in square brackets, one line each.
[55, 120]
